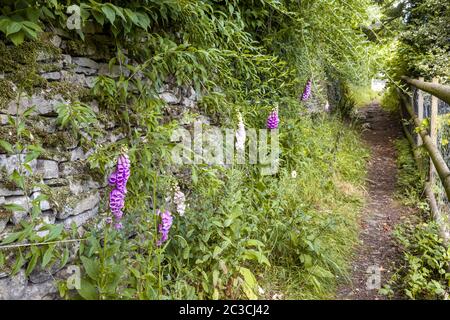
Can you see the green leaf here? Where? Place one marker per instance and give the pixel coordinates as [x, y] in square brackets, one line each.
[109, 13]
[4, 22]
[32, 14]
[32, 262]
[144, 20]
[29, 111]
[31, 156]
[65, 258]
[17, 38]
[48, 255]
[32, 26]
[48, 13]
[55, 232]
[249, 283]
[254, 243]
[87, 290]
[194, 176]
[90, 267]
[20, 261]
[99, 17]
[217, 250]
[6, 146]
[14, 207]
[133, 17]
[18, 179]
[13, 27]
[11, 238]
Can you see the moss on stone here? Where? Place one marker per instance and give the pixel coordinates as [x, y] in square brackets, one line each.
[7, 133]
[94, 46]
[5, 214]
[68, 91]
[50, 67]
[19, 63]
[57, 139]
[48, 154]
[57, 197]
[5, 182]
[6, 93]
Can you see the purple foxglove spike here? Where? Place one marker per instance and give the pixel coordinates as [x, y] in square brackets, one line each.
[307, 91]
[164, 226]
[118, 214]
[112, 178]
[273, 120]
[119, 179]
[116, 200]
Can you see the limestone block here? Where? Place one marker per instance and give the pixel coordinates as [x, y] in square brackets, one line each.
[47, 168]
[85, 62]
[76, 205]
[80, 219]
[43, 106]
[169, 98]
[13, 287]
[52, 76]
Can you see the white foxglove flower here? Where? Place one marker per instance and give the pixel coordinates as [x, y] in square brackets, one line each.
[179, 199]
[294, 174]
[240, 135]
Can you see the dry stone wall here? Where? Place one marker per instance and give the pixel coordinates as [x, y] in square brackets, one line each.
[59, 71]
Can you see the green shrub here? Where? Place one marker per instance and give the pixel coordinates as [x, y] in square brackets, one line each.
[423, 274]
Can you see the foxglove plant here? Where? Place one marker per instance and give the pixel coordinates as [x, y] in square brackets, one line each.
[118, 180]
[273, 120]
[164, 226]
[307, 91]
[240, 135]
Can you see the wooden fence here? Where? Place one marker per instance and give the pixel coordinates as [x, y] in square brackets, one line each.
[423, 134]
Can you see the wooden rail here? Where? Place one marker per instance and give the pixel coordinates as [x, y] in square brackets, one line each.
[428, 141]
[438, 90]
[439, 163]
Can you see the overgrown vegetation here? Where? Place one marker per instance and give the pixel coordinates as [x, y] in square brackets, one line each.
[419, 33]
[410, 181]
[424, 270]
[243, 234]
[423, 273]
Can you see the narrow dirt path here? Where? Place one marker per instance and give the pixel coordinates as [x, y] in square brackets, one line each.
[377, 251]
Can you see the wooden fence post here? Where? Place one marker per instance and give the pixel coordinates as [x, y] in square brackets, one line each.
[433, 129]
[419, 110]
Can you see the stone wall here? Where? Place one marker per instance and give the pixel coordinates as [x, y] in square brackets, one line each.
[58, 71]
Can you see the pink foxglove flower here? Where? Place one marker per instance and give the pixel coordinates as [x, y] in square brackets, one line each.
[273, 120]
[122, 172]
[116, 200]
[240, 135]
[307, 91]
[164, 226]
[118, 180]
